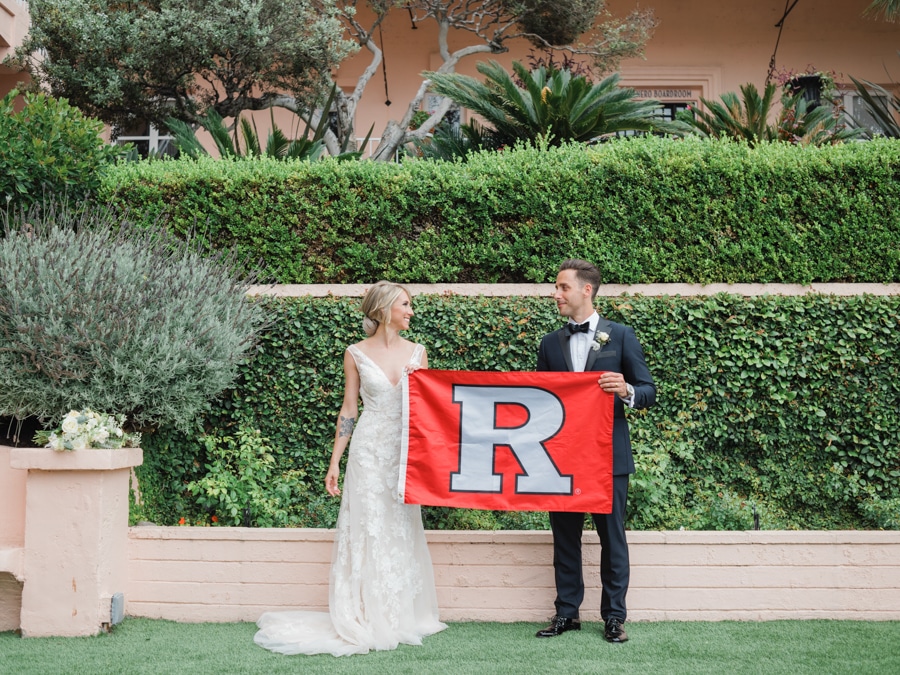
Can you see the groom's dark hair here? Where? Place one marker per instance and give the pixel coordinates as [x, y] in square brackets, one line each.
[585, 272]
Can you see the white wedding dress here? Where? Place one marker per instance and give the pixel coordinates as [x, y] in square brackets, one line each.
[381, 589]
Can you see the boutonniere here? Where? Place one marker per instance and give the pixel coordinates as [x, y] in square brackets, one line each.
[600, 339]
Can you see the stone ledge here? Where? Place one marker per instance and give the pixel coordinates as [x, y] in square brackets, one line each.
[606, 290]
[693, 537]
[91, 459]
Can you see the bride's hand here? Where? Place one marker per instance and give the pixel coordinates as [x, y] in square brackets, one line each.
[331, 483]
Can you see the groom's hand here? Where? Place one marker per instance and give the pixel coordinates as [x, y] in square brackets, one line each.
[613, 383]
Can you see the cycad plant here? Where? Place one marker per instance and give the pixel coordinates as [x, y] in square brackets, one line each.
[448, 143]
[740, 118]
[554, 105]
[820, 125]
[747, 118]
[278, 145]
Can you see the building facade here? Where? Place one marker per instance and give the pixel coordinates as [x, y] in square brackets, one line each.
[701, 48]
[14, 22]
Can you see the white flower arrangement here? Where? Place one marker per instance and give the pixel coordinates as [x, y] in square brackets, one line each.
[600, 339]
[82, 429]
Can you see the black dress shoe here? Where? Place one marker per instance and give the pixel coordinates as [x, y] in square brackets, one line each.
[614, 631]
[558, 626]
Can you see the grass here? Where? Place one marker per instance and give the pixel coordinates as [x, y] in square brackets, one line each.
[796, 647]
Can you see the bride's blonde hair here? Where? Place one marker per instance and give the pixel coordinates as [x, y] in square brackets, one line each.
[376, 305]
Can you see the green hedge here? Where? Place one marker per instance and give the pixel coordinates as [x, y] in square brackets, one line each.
[49, 148]
[644, 210]
[786, 405]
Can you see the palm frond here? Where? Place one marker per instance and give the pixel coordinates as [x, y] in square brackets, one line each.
[214, 124]
[185, 139]
[251, 137]
[552, 104]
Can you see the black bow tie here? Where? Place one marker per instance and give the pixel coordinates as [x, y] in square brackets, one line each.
[573, 328]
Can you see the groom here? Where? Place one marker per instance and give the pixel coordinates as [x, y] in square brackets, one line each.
[623, 371]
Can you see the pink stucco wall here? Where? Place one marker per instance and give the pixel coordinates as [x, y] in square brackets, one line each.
[12, 541]
[12, 502]
[235, 574]
[14, 22]
[64, 557]
[708, 46]
[705, 46]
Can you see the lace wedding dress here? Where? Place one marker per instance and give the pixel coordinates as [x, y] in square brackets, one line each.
[382, 586]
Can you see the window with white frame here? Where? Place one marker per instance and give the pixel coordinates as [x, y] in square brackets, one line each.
[147, 140]
[855, 106]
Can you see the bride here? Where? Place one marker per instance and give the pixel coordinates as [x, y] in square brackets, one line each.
[381, 589]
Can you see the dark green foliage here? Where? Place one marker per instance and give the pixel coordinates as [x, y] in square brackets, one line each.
[551, 22]
[48, 148]
[644, 209]
[242, 485]
[278, 145]
[786, 405]
[309, 145]
[126, 61]
[554, 105]
[747, 118]
[95, 313]
[448, 144]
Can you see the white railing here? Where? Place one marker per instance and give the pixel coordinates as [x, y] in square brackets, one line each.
[371, 145]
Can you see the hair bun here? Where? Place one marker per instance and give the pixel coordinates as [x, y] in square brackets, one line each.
[369, 326]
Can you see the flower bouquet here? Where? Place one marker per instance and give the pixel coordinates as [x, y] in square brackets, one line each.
[87, 429]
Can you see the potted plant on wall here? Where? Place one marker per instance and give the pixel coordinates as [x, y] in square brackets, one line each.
[812, 85]
[107, 327]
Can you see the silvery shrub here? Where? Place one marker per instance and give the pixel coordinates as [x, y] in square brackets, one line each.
[97, 312]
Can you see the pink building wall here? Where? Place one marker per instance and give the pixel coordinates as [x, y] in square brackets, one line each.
[14, 22]
[705, 46]
[700, 48]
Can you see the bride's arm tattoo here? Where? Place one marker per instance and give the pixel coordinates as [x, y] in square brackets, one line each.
[345, 426]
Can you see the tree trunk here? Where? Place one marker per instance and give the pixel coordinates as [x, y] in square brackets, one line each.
[392, 138]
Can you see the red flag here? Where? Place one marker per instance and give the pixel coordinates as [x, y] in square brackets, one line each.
[507, 441]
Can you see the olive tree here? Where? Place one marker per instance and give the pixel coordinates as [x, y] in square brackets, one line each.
[180, 58]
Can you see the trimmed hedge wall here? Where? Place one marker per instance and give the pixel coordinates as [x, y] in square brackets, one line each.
[786, 405]
[644, 210]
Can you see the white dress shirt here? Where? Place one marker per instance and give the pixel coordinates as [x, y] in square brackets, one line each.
[580, 347]
[580, 343]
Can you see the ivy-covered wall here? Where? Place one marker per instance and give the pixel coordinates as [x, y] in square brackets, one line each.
[789, 406]
[645, 210]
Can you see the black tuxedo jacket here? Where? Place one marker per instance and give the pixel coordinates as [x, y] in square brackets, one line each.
[622, 354]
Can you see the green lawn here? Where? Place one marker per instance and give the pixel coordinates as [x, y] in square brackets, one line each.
[795, 647]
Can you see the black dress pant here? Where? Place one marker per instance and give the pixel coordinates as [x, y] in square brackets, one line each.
[614, 565]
